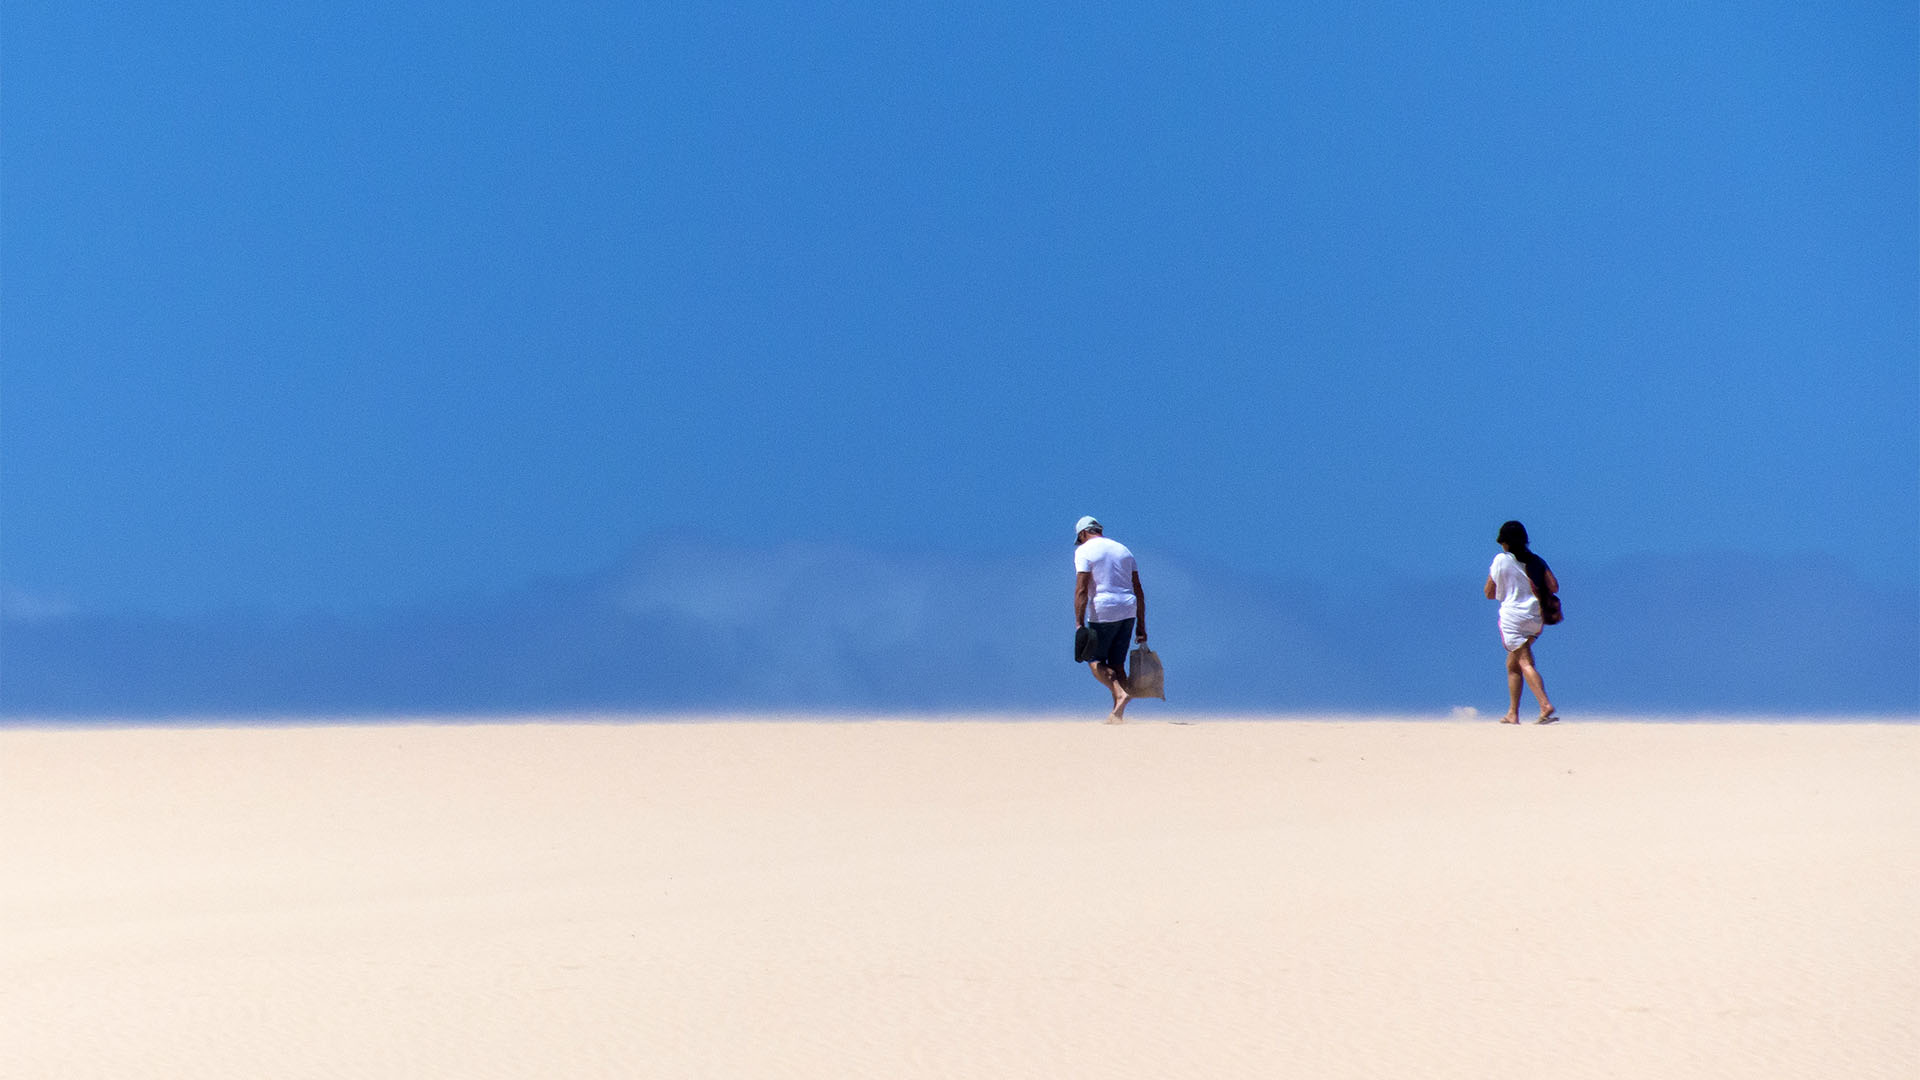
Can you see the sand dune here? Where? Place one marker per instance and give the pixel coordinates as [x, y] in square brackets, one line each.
[962, 899]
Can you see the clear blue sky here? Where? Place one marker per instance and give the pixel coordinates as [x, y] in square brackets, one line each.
[356, 304]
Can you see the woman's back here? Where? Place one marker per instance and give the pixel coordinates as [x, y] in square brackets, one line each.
[1512, 588]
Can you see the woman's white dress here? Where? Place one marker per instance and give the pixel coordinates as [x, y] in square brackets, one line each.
[1519, 608]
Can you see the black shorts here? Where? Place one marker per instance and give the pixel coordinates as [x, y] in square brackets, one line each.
[1110, 642]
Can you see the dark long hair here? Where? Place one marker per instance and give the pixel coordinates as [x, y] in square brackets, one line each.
[1513, 537]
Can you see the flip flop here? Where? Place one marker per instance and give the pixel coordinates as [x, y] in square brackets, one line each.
[1549, 718]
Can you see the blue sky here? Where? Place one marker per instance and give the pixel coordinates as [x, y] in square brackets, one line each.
[353, 306]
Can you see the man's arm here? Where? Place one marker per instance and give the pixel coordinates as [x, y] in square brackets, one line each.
[1082, 594]
[1140, 609]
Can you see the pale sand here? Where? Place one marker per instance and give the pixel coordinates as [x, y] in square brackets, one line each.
[962, 899]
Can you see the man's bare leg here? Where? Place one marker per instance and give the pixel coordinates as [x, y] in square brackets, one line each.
[1116, 683]
[1101, 675]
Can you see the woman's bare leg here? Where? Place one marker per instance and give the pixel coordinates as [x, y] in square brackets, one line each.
[1513, 689]
[1524, 654]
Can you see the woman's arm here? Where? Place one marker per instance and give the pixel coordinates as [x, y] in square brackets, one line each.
[1553, 583]
[1489, 586]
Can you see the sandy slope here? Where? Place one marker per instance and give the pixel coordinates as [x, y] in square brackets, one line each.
[959, 899]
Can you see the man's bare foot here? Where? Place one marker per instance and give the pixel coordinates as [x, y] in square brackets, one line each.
[1116, 718]
[1119, 714]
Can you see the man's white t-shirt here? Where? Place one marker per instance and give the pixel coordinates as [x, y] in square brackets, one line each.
[1111, 565]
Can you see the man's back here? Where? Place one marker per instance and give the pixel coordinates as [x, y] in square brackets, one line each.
[1111, 566]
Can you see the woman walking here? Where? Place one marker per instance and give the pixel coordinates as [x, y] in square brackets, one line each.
[1525, 587]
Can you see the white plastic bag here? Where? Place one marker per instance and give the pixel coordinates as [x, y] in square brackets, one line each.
[1145, 677]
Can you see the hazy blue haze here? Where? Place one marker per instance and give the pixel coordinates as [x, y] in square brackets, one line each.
[349, 353]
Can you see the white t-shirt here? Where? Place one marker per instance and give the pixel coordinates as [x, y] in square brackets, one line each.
[1111, 565]
[1512, 588]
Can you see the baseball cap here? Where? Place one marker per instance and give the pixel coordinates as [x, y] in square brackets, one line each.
[1085, 523]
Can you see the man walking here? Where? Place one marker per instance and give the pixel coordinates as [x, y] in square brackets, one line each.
[1107, 598]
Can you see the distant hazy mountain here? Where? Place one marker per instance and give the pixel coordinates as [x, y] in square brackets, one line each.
[694, 627]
